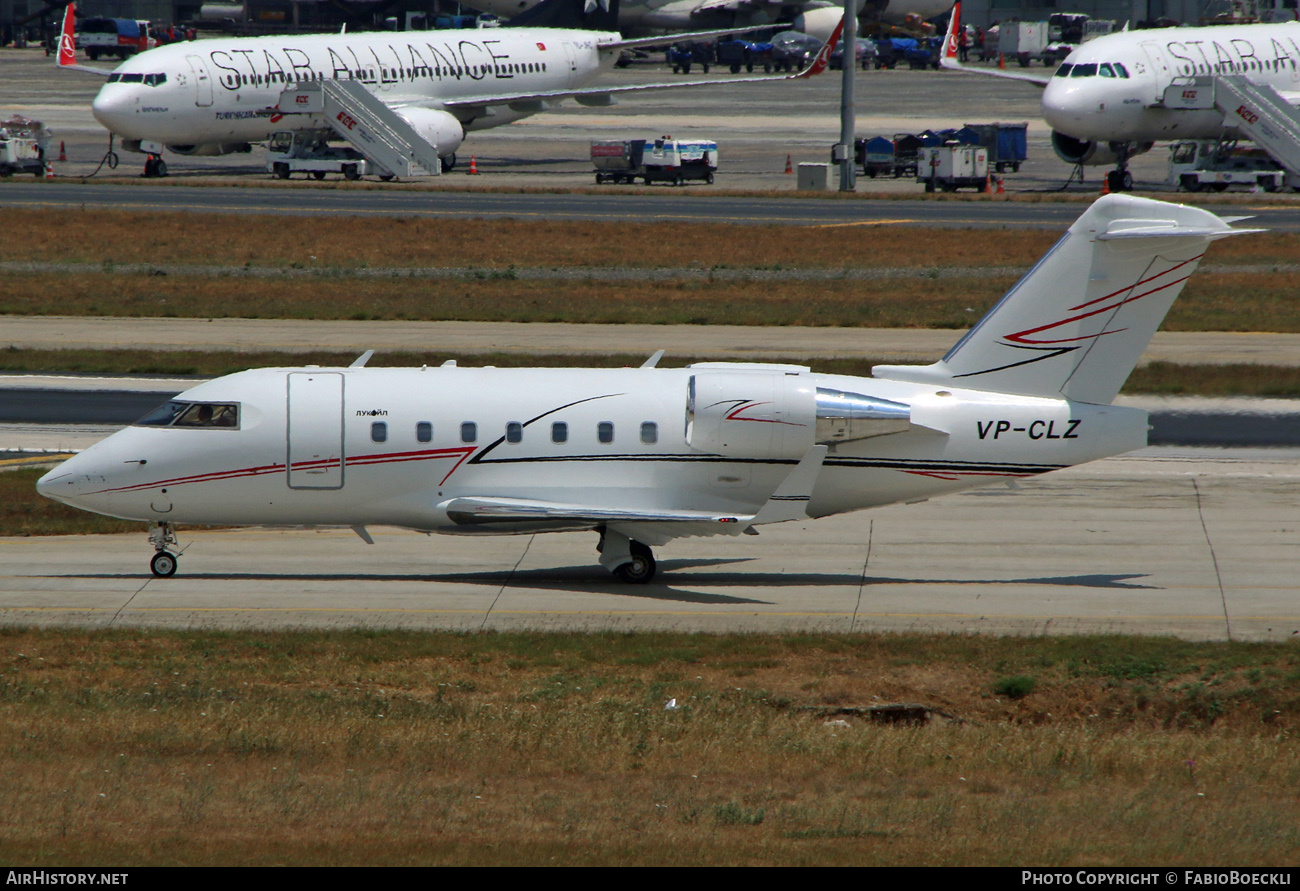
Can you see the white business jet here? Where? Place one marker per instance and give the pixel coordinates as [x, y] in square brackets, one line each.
[213, 97]
[1105, 103]
[646, 455]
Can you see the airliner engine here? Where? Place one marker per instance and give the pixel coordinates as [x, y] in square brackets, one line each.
[438, 127]
[1086, 151]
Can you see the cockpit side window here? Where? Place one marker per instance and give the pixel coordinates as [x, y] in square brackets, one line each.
[1105, 70]
[1064, 70]
[1121, 70]
[193, 414]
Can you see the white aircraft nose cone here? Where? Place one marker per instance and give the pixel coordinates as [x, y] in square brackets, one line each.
[114, 108]
[57, 484]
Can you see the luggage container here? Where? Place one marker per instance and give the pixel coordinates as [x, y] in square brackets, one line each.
[875, 156]
[952, 167]
[1006, 143]
[617, 161]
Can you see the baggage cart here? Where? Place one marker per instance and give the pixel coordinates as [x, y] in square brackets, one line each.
[617, 161]
[1006, 143]
[952, 167]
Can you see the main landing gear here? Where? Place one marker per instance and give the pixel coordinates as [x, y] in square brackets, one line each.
[162, 536]
[630, 561]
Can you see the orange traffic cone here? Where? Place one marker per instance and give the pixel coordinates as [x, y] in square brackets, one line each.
[1002, 61]
[789, 168]
[49, 170]
[1105, 184]
[63, 154]
[1001, 189]
[988, 183]
[473, 166]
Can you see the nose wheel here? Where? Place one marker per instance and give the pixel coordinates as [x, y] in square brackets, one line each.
[164, 562]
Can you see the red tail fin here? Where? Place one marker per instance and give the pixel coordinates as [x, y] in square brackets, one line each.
[68, 40]
[824, 54]
[949, 51]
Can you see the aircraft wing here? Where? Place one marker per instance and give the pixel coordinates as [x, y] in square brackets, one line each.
[817, 66]
[650, 525]
[948, 57]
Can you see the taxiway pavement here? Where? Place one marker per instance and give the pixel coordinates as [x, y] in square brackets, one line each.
[1200, 544]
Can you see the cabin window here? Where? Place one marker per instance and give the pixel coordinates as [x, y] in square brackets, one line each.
[649, 432]
[559, 432]
[469, 432]
[1064, 70]
[379, 432]
[605, 432]
[424, 432]
[514, 432]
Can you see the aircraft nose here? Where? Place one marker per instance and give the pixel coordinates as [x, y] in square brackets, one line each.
[1066, 105]
[114, 107]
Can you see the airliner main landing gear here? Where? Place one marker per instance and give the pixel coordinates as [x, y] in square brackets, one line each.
[162, 536]
[630, 561]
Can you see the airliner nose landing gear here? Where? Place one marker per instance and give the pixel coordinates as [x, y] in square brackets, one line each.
[164, 562]
[630, 561]
[155, 166]
[1119, 179]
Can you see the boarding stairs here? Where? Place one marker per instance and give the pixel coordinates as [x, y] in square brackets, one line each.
[366, 123]
[1257, 110]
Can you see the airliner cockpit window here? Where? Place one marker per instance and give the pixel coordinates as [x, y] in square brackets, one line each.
[1087, 70]
[193, 414]
[1121, 70]
[155, 80]
[1105, 70]
[132, 78]
[1064, 70]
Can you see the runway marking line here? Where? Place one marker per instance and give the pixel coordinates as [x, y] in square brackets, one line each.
[862, 223]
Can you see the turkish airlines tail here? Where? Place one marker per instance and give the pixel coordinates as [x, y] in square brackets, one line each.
[67, 57]
[1077, 323]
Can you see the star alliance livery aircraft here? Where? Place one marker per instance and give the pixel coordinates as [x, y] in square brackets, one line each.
[642, 456]
[212, 97]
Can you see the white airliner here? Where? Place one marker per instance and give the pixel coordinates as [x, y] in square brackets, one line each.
[815, 17]
[646, 455]
[1105, 102]
[212, 97]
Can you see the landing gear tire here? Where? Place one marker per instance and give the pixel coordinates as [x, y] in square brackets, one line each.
[448, 163]
[1119, 181]
[319, 174]
[163, 564]
[641, 569]
[155, 166]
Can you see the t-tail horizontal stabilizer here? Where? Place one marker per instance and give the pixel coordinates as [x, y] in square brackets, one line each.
[1077, 323]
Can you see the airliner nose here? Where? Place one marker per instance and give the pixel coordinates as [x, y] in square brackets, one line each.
[114, 107]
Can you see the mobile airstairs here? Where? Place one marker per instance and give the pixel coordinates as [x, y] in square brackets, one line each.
[1257, 111]
[366, 123]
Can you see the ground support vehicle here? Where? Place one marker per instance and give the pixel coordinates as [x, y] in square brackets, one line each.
[1197, 165]
[309, 151]
[24, 146]
[1025, 41]
[737, 54]
[617, 161]
[876, 156]
[681, 56]
[1006, 143]
[952, 167]
[924, 55]
[907, 150]
[678, 160]
[793, 50]
[115, 37]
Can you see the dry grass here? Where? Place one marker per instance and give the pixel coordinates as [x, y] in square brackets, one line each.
[528, 749]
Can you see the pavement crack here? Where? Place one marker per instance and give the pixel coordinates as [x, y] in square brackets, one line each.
[506, 583]
[1218, 575]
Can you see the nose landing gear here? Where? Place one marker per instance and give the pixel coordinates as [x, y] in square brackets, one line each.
[162, 536]
[1119, 179]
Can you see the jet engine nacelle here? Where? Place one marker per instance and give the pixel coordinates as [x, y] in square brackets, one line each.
[751, 414]
[438, 127]
[820, 23]
[1090, 153]
[210, 149]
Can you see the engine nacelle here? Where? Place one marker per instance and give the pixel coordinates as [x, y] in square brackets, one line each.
[211, 149]
[438, 127]
[1090, 153]
[820, 23]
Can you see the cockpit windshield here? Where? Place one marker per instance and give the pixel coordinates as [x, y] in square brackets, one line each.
[193, 414]
[151, 80]
[1092, 69]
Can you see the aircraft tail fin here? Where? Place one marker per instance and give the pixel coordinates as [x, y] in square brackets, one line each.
[1077, 323]
[948, 54]
[586, 15]
[68, 39]
[823, 59]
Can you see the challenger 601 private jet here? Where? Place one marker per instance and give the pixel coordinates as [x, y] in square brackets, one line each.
[641, 456]
[213, 97]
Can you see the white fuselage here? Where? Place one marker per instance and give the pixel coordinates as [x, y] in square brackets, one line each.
[226, 90]
[1117, 95]
[358, 446]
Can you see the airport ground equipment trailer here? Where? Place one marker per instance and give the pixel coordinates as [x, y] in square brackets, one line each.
[1006, 143]
[115, 37]
[951, 167]
[876, 156]
[1198, 165]
[24, 146]
[654, 160]
[309, 151]
[1024, 41]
